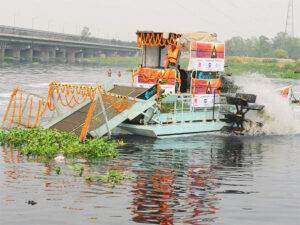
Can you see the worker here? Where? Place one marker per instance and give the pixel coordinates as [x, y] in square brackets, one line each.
[109, 73]
[173, 55]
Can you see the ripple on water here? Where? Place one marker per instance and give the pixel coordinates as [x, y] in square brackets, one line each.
[192, 180]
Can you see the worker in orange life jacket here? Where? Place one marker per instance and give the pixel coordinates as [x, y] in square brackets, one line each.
[173, 54]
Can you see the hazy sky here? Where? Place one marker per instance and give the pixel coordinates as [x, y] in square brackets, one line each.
[121, 18]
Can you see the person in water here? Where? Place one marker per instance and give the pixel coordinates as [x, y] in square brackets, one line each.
[109, 73]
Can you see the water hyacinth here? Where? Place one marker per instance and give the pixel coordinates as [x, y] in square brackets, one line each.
[112, 177]
[51, 142]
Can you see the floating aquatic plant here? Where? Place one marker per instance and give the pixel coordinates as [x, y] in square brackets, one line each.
[76, 168]
[112, 177]
[51, 142]
[57, 169]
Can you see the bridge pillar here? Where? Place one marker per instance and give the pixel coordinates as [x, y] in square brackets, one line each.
[45, 56]
[60, 55]
[15, 53]
[2, 54]
[36, 55]
[52, 55]
[26, 55]
[70, 56]
[78, 56]
[87, 54]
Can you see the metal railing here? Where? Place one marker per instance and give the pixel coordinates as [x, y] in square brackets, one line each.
[61, 36]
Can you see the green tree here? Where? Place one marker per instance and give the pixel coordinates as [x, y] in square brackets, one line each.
[280, 40]
[290, 44]
[85, 32]
[250, 47]
[263, 47]
[280, 53]
[293, 48]
[235, 46]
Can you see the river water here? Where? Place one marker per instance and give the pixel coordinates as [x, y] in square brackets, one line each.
[208, 179]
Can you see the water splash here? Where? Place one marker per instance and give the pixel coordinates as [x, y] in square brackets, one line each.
[278, 116]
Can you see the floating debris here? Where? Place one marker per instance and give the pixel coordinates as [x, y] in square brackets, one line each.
[59, 158]
[31, 202]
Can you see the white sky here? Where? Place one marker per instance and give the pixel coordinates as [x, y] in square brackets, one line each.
[121, 18]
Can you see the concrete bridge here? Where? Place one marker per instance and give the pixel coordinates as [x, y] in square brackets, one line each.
[21, 44]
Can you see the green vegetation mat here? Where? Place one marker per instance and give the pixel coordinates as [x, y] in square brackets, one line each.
[51, 142]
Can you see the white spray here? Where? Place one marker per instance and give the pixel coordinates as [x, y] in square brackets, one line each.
[278, 116]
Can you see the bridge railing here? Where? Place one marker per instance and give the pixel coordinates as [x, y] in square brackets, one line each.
[60, 36]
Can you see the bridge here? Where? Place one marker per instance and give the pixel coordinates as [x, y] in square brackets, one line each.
[22, 44]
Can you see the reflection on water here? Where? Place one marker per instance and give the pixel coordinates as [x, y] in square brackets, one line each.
[181, 184]
[193, 180]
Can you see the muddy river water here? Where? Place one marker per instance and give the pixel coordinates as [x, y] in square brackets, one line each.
[207, 179]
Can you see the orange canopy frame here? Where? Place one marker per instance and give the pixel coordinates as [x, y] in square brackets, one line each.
[157, 39]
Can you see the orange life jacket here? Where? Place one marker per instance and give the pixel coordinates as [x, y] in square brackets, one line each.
[173, 54]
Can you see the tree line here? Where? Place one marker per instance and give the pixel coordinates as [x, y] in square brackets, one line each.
[281, 46]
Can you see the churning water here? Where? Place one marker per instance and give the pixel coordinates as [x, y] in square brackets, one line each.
[279, 116]
[209, 179]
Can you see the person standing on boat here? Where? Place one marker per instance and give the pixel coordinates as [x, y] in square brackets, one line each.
[173, 56]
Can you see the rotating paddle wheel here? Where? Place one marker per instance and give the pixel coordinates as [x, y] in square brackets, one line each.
[243, 104]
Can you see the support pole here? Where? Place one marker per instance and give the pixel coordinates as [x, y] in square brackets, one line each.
[105, 116]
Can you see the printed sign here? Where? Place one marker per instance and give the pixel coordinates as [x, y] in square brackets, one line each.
[205, 100]
[207, 56]
[207, 86]
[149, 93]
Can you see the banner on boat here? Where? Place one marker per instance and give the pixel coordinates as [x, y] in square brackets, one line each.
[207, 56]
[148, 77]
[207, 86]
[205, 100]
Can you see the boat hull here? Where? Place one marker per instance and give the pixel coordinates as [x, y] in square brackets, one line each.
[173, 130]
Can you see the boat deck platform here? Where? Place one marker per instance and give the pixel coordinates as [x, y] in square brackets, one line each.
[105, 116]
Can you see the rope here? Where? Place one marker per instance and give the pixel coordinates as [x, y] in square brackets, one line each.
[128, 107]
[14, 110]
[9, 105]
[37, 115]
[20, 110]
[86, 122]
[28, 123]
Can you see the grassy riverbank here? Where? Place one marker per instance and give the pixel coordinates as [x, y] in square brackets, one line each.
[271, 67]
[130, 62]
[283, 68]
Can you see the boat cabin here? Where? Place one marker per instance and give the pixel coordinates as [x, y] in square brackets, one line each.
[162, 56]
